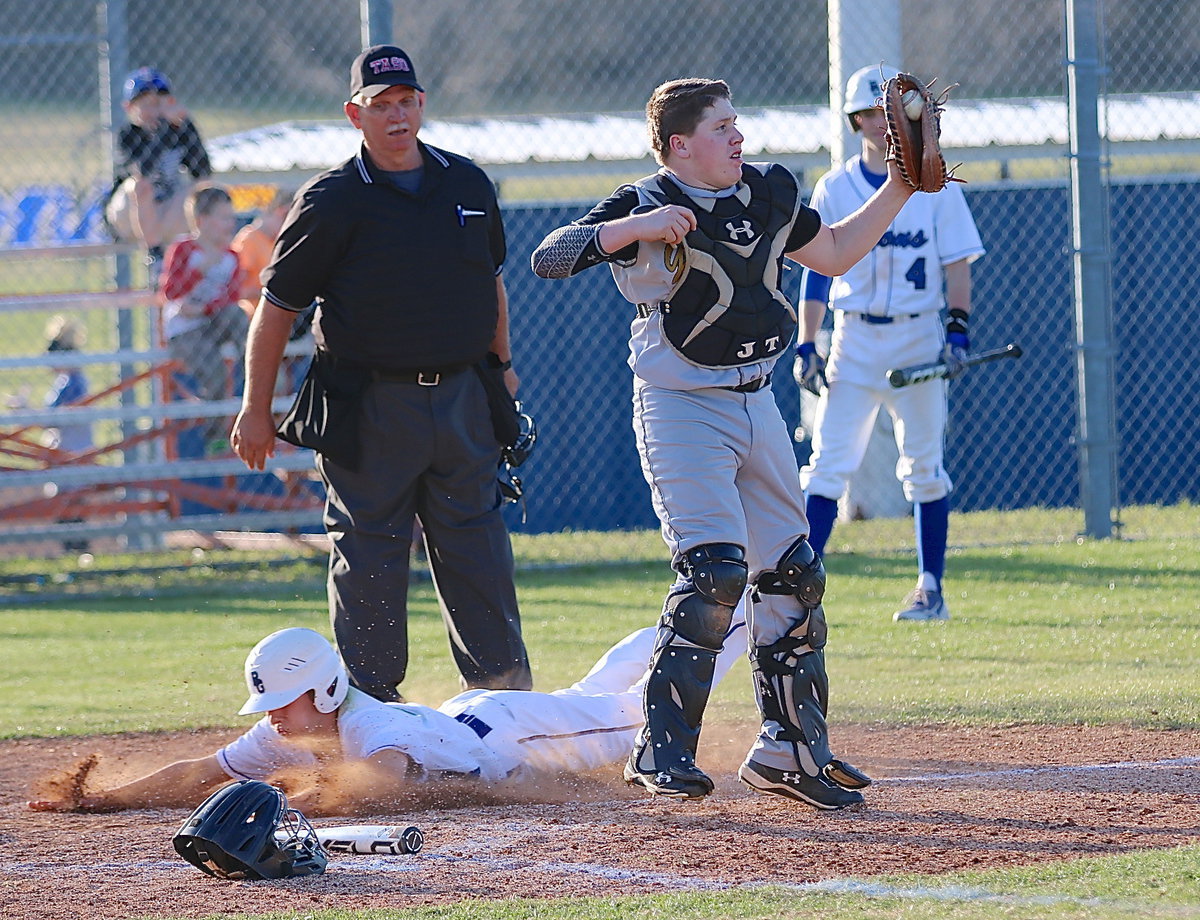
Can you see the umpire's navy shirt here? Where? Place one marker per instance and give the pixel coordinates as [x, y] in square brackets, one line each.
[404, 280]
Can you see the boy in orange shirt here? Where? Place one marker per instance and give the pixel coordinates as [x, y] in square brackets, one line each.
[254, 244]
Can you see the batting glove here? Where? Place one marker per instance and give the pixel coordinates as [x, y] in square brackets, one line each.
[958, 343]
[809, 368]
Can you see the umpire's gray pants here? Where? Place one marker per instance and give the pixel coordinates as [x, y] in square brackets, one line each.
[429, 453]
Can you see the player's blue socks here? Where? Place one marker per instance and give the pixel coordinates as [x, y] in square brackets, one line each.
[932, 521]
[821, 513]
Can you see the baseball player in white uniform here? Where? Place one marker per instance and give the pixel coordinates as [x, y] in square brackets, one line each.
[314, 716]
[887, 314]
[698, 247]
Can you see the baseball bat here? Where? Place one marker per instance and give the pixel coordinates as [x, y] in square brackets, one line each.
[919, 373]
[371, 839]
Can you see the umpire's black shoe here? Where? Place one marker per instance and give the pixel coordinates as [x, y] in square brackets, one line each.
[816, 791]
[682, 782]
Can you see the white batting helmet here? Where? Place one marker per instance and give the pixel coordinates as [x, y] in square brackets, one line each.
[864, 89]
[287, 664]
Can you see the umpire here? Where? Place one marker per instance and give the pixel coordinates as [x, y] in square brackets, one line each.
[402, 248]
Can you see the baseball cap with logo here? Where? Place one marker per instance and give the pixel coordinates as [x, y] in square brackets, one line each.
[144, 80]
[381, 67]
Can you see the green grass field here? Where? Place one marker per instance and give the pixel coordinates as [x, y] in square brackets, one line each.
[1145, 885]
[1047, 628]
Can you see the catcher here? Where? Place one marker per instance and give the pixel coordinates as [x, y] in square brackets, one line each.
[351, 752]
[699, 248]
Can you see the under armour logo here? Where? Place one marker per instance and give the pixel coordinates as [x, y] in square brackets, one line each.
[259, 686]
[745, 228]
[661, 779]
[792, 777]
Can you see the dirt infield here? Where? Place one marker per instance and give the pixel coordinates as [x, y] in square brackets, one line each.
[944, 799]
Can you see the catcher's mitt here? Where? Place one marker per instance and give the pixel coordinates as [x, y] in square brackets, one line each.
[914, 132]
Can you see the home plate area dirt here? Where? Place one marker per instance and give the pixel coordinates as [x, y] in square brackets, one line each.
[945, 798]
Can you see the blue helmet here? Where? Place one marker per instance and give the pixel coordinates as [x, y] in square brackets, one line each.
[145, 80]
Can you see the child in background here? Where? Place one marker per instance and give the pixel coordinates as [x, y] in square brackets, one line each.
[199, 290]
[161, 156]
[70, 386]
[254, 244]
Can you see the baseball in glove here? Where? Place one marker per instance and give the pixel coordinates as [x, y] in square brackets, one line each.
[914, 132]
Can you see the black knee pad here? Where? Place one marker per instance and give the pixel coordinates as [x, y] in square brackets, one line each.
[798, 572]
[700, 609]
[696, 618]
[716, 570]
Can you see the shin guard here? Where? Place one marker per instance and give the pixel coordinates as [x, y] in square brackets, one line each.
[793, 691]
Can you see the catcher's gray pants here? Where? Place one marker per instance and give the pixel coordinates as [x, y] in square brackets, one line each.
[721, 469]
[429, 453]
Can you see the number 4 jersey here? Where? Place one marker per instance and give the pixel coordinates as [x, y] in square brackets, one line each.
[902, 274]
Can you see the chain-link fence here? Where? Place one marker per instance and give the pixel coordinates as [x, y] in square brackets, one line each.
[547, 97]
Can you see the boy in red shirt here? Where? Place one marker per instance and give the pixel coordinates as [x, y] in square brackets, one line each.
[199, 288]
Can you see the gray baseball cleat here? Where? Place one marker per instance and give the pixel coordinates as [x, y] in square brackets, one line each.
[816, 791]
[923, 605]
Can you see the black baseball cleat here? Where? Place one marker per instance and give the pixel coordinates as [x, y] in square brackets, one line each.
[816, 791]
[682, 782]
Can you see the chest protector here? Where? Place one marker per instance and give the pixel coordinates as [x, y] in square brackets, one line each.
[725, 308]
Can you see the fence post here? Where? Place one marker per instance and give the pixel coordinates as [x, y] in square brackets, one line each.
[1094, 346]
[112, 61]
[863, 33]
[376, 19]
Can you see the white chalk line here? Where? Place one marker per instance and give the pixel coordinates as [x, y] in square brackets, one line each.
[1033, 771]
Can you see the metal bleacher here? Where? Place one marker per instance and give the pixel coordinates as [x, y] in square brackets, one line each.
[144, 479]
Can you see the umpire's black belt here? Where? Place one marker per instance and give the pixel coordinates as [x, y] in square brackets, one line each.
[876, 320]
[752, 387]
[423, 376]
[476, 724]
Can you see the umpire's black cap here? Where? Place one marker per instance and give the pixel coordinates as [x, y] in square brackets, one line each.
[380, 67]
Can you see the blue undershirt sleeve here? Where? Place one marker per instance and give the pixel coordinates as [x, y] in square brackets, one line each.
[816, 286]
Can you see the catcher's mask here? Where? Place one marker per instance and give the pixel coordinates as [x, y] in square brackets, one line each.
[246, 831]
[518, 452]
[512, 456]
